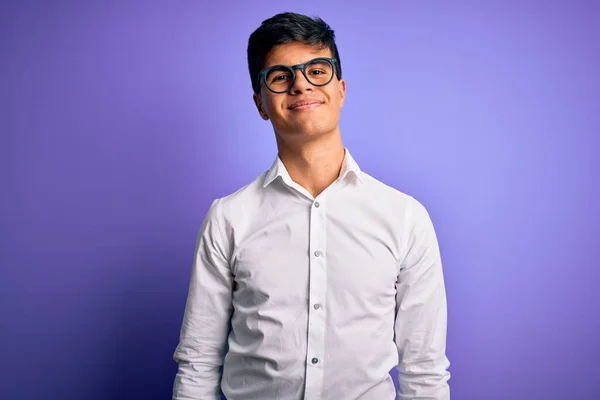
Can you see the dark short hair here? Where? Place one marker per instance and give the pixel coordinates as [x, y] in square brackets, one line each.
[286, 28]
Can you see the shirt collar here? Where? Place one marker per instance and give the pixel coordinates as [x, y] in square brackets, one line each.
[349, 168]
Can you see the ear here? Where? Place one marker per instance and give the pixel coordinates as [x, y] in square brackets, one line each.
[342, 91]
[259, 106]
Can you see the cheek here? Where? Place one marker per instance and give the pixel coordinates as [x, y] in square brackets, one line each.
[336, 94]
[335, 99]
[273, 106]
[267, 102]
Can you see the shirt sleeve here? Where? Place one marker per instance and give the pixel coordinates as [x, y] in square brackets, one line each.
[421, 314]
[203, 335]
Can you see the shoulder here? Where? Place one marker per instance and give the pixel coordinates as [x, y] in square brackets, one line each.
[390, 198]
[404, 211]
[242, 202]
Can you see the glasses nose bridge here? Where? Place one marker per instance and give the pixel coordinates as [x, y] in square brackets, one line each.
[300, 70]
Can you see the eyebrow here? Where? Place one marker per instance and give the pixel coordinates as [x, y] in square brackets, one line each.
[304, 62]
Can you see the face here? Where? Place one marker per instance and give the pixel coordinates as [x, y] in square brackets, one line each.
[305, 111]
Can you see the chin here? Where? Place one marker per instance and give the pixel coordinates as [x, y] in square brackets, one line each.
[310, 127]
[306, 133]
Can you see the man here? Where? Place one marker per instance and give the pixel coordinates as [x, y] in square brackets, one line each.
[316, 279]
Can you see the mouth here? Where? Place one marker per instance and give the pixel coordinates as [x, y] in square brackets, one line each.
[304, 105]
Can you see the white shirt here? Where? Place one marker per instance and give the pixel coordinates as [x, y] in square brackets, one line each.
[295, 297]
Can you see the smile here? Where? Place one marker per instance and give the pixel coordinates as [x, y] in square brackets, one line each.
[304, 105]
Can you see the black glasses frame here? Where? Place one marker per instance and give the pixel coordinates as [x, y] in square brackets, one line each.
[263, 74]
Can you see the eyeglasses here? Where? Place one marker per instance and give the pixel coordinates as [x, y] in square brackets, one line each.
[281, 78]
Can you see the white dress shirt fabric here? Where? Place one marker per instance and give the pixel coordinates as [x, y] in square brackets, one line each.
[295, 297]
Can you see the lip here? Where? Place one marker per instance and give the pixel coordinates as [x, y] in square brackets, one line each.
[304, 105]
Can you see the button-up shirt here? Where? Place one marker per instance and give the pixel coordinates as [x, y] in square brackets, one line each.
[296, 297]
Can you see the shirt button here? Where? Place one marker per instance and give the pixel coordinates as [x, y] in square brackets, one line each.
[317, 306]
[317, 204]
[315, 360]
[318, 253]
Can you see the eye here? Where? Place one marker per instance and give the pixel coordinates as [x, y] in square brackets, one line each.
[319, 69]
[279, 75]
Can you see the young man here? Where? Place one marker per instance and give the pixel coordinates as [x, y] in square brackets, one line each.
[316, 279]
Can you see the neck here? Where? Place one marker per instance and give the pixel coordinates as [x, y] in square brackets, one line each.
[314, 165]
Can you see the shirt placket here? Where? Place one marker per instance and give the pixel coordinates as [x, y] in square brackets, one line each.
[316, 311]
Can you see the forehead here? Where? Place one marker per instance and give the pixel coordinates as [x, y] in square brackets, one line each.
[295, 53]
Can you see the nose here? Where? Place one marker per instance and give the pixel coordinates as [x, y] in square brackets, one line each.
[300, 83]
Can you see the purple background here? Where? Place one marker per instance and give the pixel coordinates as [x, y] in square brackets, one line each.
[120, 123]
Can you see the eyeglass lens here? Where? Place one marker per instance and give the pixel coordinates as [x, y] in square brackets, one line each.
[318, 73]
